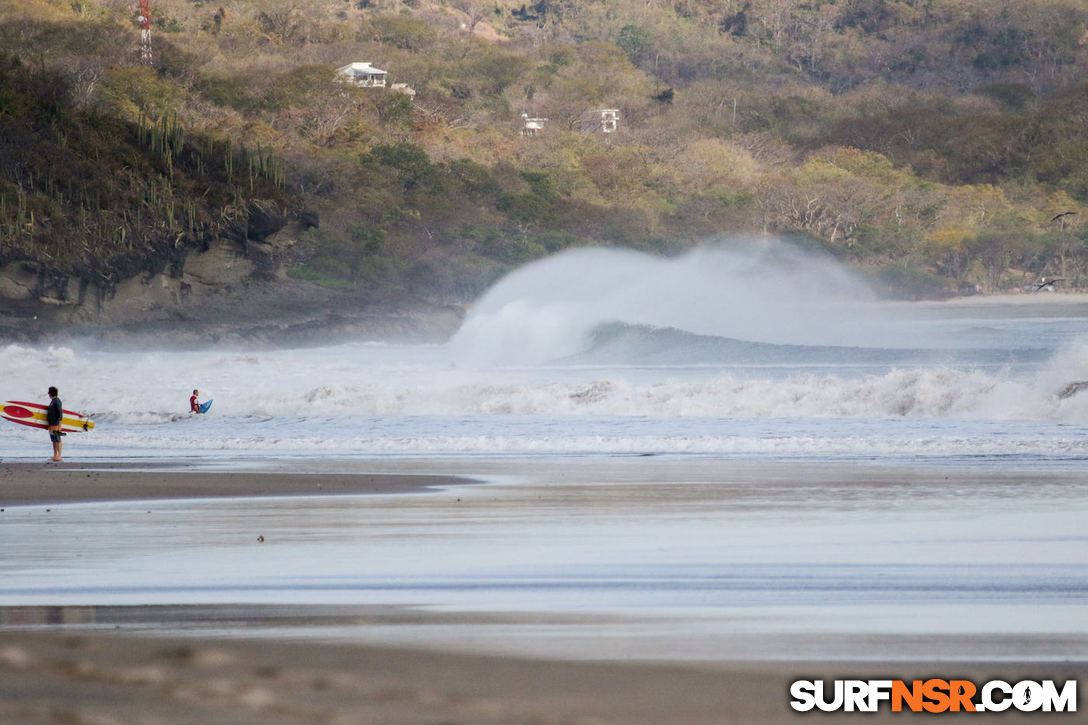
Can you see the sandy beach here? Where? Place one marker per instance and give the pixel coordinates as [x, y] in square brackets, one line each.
[102, 680]
[116, 674]
[117, 678]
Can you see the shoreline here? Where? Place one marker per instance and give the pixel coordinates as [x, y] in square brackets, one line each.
[87, 481]
[30, 484]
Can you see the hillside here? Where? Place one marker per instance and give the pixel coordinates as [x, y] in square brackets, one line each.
[938, 145]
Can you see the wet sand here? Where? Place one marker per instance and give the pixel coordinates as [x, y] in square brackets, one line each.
[34, 483]
[85, 679]
[107, 675]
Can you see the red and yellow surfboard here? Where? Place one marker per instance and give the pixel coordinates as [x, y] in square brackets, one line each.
[33, 415]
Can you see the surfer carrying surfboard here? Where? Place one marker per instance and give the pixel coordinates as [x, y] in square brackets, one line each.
[53, 416]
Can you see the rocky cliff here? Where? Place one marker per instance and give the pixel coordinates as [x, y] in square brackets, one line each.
[234, 289]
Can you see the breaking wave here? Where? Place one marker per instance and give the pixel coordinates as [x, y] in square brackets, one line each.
[756, 291]
[619, 344]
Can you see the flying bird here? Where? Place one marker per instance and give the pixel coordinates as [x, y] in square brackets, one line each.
[1044, 283]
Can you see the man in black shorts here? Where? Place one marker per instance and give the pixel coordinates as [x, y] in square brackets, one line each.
[53, 416]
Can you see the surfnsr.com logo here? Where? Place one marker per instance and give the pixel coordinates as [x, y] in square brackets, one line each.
[933, 696]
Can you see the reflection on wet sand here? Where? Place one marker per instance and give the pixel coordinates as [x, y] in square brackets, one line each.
[31, 616]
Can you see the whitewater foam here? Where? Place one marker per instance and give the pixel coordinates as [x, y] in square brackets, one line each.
[748, 290]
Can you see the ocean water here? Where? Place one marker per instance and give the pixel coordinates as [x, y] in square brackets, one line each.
[765, 354]
[737, 452]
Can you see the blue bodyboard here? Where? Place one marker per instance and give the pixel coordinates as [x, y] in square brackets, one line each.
[204, 406]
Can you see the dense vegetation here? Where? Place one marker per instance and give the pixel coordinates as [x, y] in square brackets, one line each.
[936, 144]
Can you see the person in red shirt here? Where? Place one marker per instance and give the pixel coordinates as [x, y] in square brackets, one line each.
[194, 402]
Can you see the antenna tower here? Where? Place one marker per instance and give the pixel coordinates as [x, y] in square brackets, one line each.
[145, 30]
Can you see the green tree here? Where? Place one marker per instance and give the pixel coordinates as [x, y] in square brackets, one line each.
[636, 42]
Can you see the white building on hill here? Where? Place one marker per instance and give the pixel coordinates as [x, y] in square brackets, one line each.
[602, 120]
[364, 75]
[531, 126]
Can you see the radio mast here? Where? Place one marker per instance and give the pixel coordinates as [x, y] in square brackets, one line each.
[145, 30]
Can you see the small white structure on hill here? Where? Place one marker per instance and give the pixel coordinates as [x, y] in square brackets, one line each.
[364, 75]
[610, 120]
[531, 126]
[603, 120]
